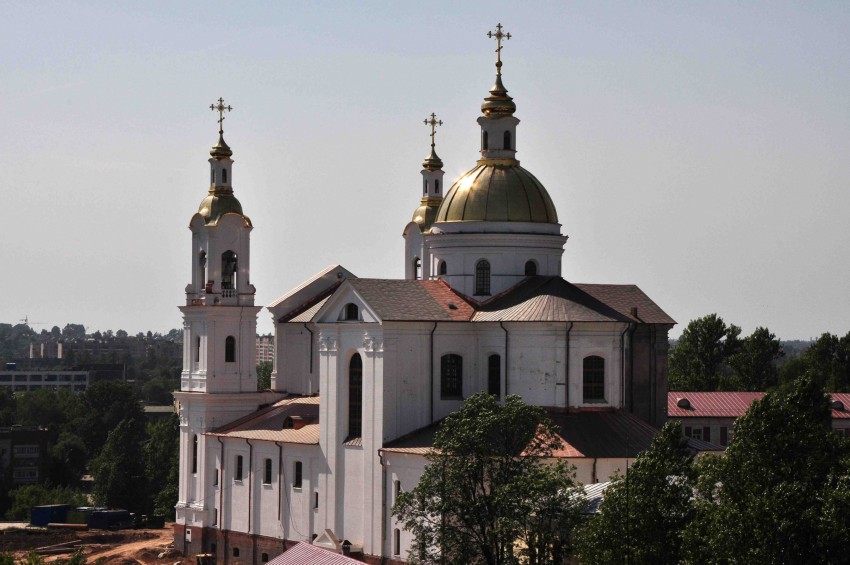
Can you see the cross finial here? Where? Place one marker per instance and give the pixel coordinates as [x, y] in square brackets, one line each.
[433, 122]
[499, 35]
[220, 108]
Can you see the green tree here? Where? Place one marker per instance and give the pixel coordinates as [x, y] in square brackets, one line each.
[162, 459]
[754, 366]
[264, 375]
[646, 510]
[105, 404]
[827, 360]
[119, 470]
[698, 360]
[488, 489]
[74, 331]
[25, 497]
[774, 497]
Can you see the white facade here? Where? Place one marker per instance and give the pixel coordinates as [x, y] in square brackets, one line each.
[365, 368]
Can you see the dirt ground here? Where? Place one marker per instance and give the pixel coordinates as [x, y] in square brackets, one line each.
[125, 547]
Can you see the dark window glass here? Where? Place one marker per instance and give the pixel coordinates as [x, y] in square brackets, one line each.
[224, 175]
[195, 454]
[594, 379]
[237, 476]
[396, 542]
[494, 375]
[485, 141]
[298, 477]
[417, 268]
[228, 271]
[352, 312]
[425, 187]
[355, 396]
[451, 376]
[530, 268]
[315, 500]
[436, 186]
[197, 349]
[265, 558]
[235, 552]
[230, 349]
[267, 472]
[482, 277]
[507, 141]
[443, 269]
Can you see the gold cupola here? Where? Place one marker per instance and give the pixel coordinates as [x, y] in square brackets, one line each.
[432, 182]
[220, 199]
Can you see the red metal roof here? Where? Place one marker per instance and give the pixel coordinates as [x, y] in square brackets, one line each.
[732, 404]
[303, 553]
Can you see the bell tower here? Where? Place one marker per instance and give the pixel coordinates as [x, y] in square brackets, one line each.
[220, 319]
[219, 382]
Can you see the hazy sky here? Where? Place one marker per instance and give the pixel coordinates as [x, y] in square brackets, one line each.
[698, 150]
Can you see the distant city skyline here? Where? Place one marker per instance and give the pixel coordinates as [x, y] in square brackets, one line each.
[699, 152]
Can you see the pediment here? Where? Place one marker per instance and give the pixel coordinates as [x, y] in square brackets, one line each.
[314, 287]
[346, 305]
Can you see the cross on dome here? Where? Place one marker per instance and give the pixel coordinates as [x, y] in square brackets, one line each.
[220, 108]
[499, 35]
[433, 122]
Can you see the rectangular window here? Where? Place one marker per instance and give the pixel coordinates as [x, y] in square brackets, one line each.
[298, 475]
[706, 434]
[215, 478]
[724, 436]
[696, 433]
[316, 500]
[237, 476]
[451, 377]
[267, 472]
[494, 375]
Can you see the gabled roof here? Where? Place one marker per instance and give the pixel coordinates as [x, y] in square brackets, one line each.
[535, 299]
[268, 423]
[734, 404]
[307, 293]
[413, 300]
[303, 553]
[547, 299]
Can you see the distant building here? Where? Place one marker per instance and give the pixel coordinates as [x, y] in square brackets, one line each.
[265, 348]
[710, 416]
[34, 379]
[24, 450]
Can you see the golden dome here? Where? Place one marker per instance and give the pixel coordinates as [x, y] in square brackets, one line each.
[217, 204]
[220, 149]
[497, 190]
[427, 211]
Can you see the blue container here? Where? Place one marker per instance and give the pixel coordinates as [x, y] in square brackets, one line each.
[49, 514]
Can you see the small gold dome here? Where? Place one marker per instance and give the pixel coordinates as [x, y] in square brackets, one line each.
[220, 149]
[497, 190]
[217, 204]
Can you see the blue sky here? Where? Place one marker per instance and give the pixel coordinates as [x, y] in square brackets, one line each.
[698, 150]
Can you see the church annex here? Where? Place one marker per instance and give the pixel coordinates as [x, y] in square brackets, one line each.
[365, 369]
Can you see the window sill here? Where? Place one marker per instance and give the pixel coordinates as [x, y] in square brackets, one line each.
[297, 489]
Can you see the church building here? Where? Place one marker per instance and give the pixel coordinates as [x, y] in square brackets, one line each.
[365, 369]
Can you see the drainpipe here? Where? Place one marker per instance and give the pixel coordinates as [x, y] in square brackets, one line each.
[507, 358]
[567, 365]
[306, 327]
[431, 367]
[279, 480]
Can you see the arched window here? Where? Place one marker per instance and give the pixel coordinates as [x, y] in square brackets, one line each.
[482, 277]
[507, 140]
[202, 266]
[197, 349]
[436, 186]
[195, 454]
[355, 396]
[442, 269]
[530, 268]
[230, 349]
[494, 375]
[228, 270]
[351, 312]
[593, 379]
[451, 377]
[417, 268]
[485, 141]
[212, 176]
[396, 542]
[237, 475]
[224, 176]
[425, 187]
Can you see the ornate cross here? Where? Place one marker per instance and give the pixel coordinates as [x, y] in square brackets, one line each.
[433, 122]
[499, 35]
[220, 108]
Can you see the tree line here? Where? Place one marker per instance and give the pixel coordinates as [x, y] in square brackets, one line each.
[713, 356]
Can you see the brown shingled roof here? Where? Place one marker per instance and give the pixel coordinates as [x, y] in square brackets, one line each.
[267, 424]
[413, 300]
[624, 297]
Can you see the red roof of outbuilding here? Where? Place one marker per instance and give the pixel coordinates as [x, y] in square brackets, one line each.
[732, 404]
[303, 553]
